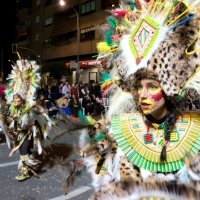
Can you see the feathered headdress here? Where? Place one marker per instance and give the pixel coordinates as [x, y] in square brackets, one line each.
[154, 39]
[23, 81]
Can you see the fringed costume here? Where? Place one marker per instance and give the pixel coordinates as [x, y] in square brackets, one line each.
[152, 51]
[21, 120]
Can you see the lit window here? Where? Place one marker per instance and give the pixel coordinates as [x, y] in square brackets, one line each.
[37, 2]
[47, 43]
[87, 33]
[48, 21]
[37, 19]
[37, 36]
[88, 7]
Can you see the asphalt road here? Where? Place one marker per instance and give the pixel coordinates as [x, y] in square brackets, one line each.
[49, 184]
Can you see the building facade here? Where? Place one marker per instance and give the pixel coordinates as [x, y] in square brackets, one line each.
[50, 32]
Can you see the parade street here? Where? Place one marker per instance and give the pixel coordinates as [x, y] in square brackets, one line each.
[49, 184]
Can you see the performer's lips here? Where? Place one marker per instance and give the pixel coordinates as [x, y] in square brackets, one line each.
[144, 105]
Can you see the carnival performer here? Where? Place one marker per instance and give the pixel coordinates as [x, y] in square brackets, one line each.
[21, 120]
[153, 48]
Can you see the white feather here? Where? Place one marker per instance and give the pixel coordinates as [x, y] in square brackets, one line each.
[114, 72]
[39, 146]
[20, 165]
[120, 102]
[34, 131]
[25, 121]
[6, 135]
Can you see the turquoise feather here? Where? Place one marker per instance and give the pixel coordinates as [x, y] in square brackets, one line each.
[132, 5]
[82, 117]
[108, 39]
[112, 21]
[98, 137]
[105, 77]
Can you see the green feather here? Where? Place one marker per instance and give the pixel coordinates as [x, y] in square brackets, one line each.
[81, 116]
[105, 77]
[108, 39]
[98, 137]
[112, 21]
[33, 85]
[9, 92]
[132, 5]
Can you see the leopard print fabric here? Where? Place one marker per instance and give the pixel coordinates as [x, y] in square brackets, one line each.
[132, 185]
[170, 64]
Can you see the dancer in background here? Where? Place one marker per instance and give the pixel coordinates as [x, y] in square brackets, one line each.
[21, 120]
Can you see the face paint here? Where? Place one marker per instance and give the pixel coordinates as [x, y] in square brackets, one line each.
[156, 94]
[17, 101]
[150, 96]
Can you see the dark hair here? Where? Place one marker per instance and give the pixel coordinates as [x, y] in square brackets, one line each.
[170, 122]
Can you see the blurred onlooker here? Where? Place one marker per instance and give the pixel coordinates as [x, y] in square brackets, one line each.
[87, 104]
[80, 87]
[63, 105]
[54, 91]
[74, 105]
[41, 101]
[75, 90]
[98, 90]
[47, 94]
[51, 106]
[60, 89]
[66, 90]
[92, 89]
[85, 89]
[100, 105]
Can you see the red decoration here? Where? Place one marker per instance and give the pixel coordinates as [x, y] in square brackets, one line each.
[118, 13]
[139, 6]
[148, 138]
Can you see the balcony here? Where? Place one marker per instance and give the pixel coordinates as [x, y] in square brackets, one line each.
[23, 44]
[24, 13]
[22, 29]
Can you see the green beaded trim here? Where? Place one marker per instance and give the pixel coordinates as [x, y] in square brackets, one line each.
[152, 23]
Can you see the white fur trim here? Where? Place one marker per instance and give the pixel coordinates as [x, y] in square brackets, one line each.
[193, 175]
[182, 175]
[129, 60]
[145, 174]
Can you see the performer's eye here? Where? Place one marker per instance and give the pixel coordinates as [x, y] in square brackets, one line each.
[152, 87]
[139, 87]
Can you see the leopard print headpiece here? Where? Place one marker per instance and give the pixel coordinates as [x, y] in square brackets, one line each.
[161, 41]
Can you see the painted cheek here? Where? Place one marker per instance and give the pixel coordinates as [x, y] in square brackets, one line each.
[157, 96]
[139, 92]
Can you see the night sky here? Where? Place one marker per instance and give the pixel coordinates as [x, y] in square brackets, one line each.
[7, 32]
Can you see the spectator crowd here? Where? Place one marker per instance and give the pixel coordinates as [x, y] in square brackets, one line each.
[63, 97]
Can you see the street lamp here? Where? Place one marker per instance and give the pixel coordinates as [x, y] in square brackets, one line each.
[62, 3]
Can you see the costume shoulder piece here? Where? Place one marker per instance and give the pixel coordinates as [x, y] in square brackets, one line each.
[143, 145]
